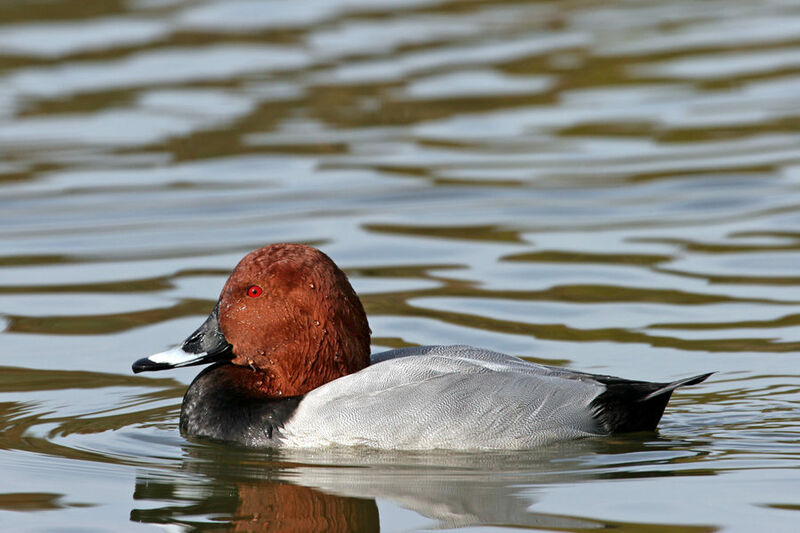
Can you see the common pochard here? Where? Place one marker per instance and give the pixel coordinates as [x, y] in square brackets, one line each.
[290, 344]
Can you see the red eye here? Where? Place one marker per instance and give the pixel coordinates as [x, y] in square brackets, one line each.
[254, 291]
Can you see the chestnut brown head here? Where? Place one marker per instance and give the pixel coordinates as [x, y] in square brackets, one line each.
[288, 313]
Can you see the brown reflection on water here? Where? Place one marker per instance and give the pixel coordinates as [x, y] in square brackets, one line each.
[34, 501]
[283, 507]
[262, 506]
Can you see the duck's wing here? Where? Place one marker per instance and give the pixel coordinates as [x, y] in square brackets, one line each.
[455, 397]
[624, 405]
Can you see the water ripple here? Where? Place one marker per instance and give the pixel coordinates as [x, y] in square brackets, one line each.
[612, 187]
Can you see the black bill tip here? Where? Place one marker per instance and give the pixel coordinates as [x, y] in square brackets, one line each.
[146, 365]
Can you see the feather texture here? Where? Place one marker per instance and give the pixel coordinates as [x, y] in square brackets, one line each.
[455, 397]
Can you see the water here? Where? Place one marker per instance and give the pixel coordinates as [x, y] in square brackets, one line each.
[613, 186]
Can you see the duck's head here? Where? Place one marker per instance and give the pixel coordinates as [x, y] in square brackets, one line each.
[289, 314]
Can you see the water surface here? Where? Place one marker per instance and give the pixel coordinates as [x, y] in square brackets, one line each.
[612, 186]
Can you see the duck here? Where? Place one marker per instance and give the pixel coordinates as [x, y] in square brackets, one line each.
[288, 344]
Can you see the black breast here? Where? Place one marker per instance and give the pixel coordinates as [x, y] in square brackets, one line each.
[218, 407]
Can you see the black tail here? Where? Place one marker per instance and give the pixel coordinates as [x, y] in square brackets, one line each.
[635, 405]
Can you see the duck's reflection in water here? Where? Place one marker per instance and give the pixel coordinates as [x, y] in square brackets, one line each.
[336, 490]
[286, 507]
[267, 506]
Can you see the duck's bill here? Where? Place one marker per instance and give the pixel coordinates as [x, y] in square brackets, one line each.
[206, 345]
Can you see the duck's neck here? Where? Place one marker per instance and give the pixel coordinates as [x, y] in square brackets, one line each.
[291, 372]
[227, 403]
[290, 364]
